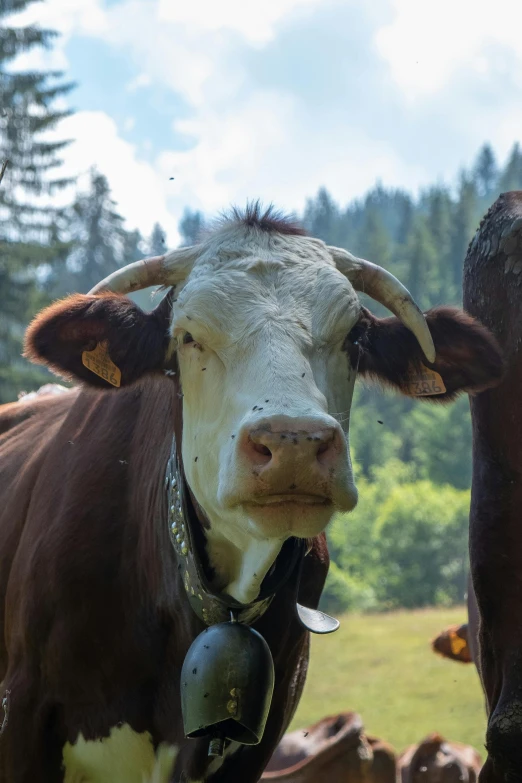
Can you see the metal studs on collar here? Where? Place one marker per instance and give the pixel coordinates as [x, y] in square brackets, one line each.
[173, 486]
[210, 607]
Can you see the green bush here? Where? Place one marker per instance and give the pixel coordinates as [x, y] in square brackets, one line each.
[405, 545]
[342, 593]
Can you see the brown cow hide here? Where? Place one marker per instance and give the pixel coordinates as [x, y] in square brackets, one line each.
[436, 760]
[333, 750]
[453, 643]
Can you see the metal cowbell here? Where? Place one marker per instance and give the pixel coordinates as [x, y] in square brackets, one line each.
[227, 682]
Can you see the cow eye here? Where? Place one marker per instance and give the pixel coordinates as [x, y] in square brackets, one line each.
[358, 332]
[187, 338]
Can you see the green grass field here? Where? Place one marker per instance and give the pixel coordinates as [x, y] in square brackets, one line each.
[382, 667]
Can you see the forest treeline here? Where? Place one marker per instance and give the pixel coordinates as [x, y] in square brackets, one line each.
[405, 544]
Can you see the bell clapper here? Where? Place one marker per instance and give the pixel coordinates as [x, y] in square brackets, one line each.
[216, 746]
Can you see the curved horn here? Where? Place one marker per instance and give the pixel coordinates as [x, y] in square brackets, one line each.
[386, 289]
[158, 270]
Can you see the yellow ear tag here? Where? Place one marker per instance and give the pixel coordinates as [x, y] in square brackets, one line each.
[100, 363]
[424, 383]
[456, 643]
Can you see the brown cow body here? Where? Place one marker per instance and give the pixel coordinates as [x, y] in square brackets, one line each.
[333, 750]
[493, 293]
[96, 618]
[436, 760]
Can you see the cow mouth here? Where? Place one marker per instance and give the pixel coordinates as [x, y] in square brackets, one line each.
[293, 499]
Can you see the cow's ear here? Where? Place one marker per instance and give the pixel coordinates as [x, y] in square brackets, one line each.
[105, 341]
[468, 356]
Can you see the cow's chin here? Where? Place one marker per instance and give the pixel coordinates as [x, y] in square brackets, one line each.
[281, 516]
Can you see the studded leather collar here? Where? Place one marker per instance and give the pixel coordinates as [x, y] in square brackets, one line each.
[210, 606]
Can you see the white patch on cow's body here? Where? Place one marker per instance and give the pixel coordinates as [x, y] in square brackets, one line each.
[48, 389]
[123, 757]
[267, 316]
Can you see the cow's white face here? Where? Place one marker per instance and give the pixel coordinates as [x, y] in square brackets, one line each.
[259, 327]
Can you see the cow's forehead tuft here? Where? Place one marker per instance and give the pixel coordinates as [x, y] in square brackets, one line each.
[254, 217]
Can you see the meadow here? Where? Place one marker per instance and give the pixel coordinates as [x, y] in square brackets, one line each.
[382, 666]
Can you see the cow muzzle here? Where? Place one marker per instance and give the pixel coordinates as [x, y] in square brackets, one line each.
[293, 467]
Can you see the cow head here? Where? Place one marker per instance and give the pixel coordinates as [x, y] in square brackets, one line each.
[436, 761]
[269, 335]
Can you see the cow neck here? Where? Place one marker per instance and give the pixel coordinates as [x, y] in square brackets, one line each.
[210, 606]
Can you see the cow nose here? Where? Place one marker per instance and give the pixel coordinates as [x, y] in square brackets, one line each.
[281, 456]
[305, 443]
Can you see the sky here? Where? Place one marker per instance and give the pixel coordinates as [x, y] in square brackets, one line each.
[207, 103]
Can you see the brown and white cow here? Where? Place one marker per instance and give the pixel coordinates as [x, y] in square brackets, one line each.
[253, 356]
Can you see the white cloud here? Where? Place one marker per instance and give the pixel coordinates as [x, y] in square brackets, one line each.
[181, 45]
[231, 149]
[427, 42]
[247, 140]
[65, 16]
[268, 149]
[255, 21]
[457, 63]
[136, 187]
[141, 80]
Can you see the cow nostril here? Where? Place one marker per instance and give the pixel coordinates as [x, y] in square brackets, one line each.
[323, 447]
[261, 449]
[325, 452]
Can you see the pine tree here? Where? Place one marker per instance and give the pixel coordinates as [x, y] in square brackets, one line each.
[406, 211]
[321, 218]
[190, 227]
[511, 177]
[486, 172]
[420, 255]
[30, 231]
[439, 215]
[100, 242]
[132, 246]
[157, 243]
[465, 220]
[393, 206]
[374, 241]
